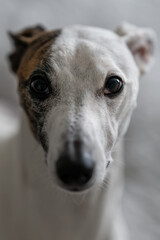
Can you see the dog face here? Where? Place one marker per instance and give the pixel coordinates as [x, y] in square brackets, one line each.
[78, 87]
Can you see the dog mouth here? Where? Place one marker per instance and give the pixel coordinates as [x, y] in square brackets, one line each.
[75, 188]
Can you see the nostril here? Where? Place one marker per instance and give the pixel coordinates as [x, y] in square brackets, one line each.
[65, 177]
[69, 178]
[83, 179]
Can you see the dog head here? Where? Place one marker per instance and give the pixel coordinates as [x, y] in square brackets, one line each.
[78, 87]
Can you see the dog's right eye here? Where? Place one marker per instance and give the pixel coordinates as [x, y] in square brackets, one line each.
[39, 86]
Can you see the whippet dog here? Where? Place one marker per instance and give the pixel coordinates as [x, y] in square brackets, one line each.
[78, 87]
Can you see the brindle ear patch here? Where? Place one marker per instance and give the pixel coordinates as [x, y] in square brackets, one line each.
[21, 41]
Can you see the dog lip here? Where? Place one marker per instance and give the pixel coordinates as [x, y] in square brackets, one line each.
[76, 189]
[108, 163]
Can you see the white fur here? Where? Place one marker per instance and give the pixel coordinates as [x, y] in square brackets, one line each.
[82, 58]
[31, 205]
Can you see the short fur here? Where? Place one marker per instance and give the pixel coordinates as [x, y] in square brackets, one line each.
[76, 61]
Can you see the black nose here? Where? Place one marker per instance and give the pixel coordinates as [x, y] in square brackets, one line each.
[75, 166]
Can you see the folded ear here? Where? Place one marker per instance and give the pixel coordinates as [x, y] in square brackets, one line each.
[141, 42]
[21, 41]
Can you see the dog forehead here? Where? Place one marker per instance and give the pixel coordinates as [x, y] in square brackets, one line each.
[84, 40]
[79, 50]
[92, 49]
[94, 34]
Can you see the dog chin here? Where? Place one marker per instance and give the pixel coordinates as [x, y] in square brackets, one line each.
[76, 190]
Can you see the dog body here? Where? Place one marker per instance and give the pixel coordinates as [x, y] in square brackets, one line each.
[78, 87]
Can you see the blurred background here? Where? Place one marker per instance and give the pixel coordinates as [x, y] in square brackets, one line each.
[141, 201]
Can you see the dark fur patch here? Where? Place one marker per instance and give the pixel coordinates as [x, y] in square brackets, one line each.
[21, 41]
[38, 50]
[36, 57]
[37, 110]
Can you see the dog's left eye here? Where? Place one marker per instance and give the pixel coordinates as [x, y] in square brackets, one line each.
[113, 86]
[40, 87]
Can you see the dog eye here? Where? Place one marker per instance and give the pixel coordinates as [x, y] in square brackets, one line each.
[40, 86]
[113, 86]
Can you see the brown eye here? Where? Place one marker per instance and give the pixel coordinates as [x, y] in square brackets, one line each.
[40, 87]
[113, 86]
